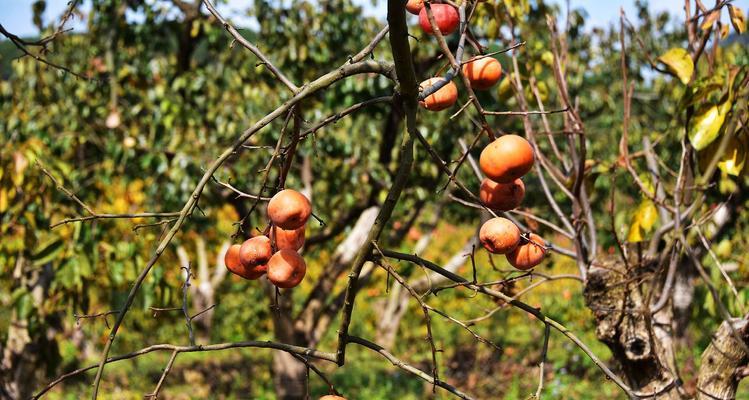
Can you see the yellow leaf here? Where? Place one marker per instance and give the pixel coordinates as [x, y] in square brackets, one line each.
[504, 90]
[733, 158]
[709, 20]
[738, 20]
[647, 215]
[635, 233]
[195, 29]
[679, 62]
[3, 200]
[724, 31]
[707, 123]
[644, 219]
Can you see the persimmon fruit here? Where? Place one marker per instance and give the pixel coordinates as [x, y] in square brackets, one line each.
[482, 72]
[235, 266]
[443, 98]
[255, 253]
[231, 259]
[507, 158]
[502, 196]
[445, 16]
[289, 209]
[529, 253]
[286, 269]
[332, 397]
[499, 235]
[414, 6]
[291, 239]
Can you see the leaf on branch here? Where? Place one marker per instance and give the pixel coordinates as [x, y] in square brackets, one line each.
[709, 20]
[707, 123]
[679, 62]
[644, 220]
[733, 158]
[738, 20]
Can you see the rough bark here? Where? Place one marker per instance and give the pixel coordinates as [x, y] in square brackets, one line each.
[724, 362]
[288, 372]
[641, 345]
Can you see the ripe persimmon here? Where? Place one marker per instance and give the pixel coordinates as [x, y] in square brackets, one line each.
[255, 252]
[289, 209]
[502, 196]
[443, 98]
[286, 269]
[507, 158]
[414, 6]
[235, 266]
[528, 254]
[292, 239]
[483, 72]
[445, 15]
[332, 397]
[499, 235]
[231, 259]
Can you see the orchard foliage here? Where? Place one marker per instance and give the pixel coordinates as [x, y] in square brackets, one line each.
[169, 89]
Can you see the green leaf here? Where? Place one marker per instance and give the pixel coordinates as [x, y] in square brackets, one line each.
[707, 123]
[48, 251]
[679, 62]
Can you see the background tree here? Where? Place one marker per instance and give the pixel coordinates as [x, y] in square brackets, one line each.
[110, 160]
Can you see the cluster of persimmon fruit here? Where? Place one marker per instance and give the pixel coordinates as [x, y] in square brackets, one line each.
[483, 72]
[276, 251]
[504, 161]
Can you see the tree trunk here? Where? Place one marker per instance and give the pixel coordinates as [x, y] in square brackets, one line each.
[289, 374]
[641, 345]
[29, 355]
[724, 361]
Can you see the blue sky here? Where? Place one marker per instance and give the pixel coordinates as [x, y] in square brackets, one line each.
[15, 15]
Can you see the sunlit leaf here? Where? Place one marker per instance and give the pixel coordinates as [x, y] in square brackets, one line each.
[709, 20]
[707, 123]
[635, 233]
[647, 215]
[733, 158]
[738, 20]
[679, 62]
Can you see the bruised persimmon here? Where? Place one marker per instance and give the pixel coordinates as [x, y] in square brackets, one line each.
[502, 196]
[292, 239]
[289, 209]
[499, 235]
[528, 254]
[414, 6]
[482, 72]
[255, 252]
[443, 98]
[445, 16]
[507, 158]
[286, 269]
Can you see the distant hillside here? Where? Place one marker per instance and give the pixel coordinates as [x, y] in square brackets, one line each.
[734, 38]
